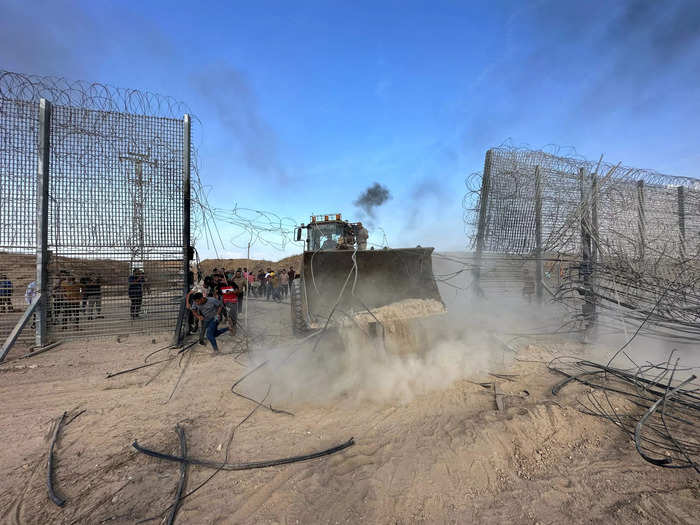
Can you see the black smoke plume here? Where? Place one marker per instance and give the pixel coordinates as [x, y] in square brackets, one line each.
[374, 196]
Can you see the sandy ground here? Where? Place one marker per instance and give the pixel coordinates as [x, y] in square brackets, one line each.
[447, 456]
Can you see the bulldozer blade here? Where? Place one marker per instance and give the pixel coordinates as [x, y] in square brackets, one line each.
[383, 277]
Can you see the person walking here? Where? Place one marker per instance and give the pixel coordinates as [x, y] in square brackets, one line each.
[207, 310]
[6, 291]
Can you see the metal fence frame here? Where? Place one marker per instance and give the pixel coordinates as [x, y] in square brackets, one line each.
[102, 104]
[621, 238]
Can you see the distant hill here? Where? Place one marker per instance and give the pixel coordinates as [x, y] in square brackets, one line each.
[207, 265]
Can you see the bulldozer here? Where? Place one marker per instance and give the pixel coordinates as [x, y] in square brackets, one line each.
[339, 280]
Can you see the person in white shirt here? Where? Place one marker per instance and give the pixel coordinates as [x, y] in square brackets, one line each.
[29, 297]
[30, 293]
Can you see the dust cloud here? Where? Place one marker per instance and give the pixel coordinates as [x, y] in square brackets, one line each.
[417, 356]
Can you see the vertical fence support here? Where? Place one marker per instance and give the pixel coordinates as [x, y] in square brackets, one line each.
[186, 198]
[641, 219]
[595, 230]
[588, 308]
[42, 221]
[595, 243]
[681, 221]
[539, 263]
[483, 218]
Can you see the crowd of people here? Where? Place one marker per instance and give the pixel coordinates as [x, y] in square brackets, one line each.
[73, 299]
[218, 297]
[214, 298]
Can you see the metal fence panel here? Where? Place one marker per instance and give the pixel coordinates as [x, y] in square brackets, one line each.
[18, 166]
[510, 224]
[115, 210]
[115, 222]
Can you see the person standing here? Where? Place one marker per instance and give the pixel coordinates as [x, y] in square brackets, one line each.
[284, 283]
[6, 291]
[241, 284]
[275, 286]
[73, 295]
[91, 293]
[192, 322]
[362, 236]
[84, 280]
[292, 275]
[30, 293]
[261, 283]
[268, 284]
[59, 297]
[136, 281]
[251, 279]
[29, 296]
[97, 294]
[207, 310]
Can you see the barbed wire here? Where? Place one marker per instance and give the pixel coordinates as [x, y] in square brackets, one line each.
[256, 227]
[88, 95]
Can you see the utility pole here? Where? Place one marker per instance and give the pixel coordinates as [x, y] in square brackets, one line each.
[137, 219]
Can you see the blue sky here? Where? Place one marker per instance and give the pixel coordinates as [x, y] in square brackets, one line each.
[303, 105]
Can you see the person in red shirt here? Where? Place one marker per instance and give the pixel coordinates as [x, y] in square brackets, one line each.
[230, 298]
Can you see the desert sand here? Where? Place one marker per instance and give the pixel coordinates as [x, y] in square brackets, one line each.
[445, 454]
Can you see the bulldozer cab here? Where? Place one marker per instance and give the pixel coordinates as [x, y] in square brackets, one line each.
[325, 232]
[324, 236]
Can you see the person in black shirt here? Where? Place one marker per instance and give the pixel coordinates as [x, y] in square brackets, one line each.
[136, 281]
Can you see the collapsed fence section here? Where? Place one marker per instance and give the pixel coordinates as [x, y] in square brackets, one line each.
[95, 209]
[630, 238]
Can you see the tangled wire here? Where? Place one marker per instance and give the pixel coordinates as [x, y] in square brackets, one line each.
[659, 412]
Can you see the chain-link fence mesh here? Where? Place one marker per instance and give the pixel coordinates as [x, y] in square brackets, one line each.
[115, 211]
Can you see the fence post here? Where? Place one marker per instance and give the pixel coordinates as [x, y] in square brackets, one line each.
[483, 217]
[42, 221]
[539, 269]
[186, 198]
[641, 219]
[588, 308]
[595, 230]
[681, 220]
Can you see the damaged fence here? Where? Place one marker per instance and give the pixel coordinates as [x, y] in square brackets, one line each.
[607, 238]
[94, 208]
